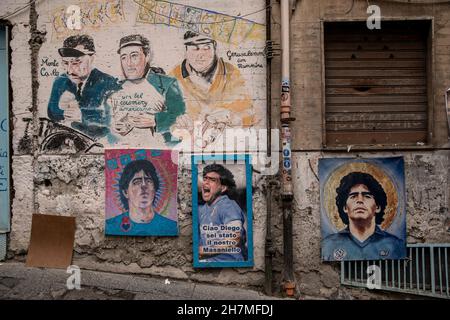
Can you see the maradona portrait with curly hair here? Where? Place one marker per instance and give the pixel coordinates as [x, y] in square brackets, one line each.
[361, 202]
[221, 220]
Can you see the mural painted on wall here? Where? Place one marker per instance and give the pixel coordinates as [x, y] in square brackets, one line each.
[222, 211]
[141, 192]
[153, 77]
[363, 215]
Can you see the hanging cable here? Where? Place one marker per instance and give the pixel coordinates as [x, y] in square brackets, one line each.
[215, 22]
[8, 15]
[418, 1]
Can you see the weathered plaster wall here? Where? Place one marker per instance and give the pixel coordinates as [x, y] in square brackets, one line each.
[73, 185]
[307, 66]
[427, 172]
[63, 182]
[427, 207]
[21, 101]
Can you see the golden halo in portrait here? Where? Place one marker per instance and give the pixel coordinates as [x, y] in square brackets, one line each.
[334, 180]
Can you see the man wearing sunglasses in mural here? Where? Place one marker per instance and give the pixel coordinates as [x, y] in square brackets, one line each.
[221, 220]
[214, 90]
[77, 95]
[361, 202]
[149, 101]
[138, 187]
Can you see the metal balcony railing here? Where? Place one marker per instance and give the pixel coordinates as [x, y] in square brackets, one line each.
[425, 272]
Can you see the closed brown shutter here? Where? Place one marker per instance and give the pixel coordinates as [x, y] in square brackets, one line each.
[376, 83]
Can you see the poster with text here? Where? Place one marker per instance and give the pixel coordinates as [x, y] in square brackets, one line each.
[222, 211]
[141, 192]
[362, 202]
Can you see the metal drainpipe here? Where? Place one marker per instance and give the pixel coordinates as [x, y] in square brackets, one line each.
[286, 140]
[268, 247]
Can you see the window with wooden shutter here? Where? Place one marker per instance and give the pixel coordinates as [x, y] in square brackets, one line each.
[376, 83]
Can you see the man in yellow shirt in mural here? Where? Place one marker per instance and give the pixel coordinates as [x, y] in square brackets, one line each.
[214, 90]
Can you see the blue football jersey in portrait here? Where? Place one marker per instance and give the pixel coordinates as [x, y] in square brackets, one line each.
[215, 217]
[122, 225]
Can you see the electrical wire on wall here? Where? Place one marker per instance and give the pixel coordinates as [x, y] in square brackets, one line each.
[9, 15]
[418, 1]
[195, 23]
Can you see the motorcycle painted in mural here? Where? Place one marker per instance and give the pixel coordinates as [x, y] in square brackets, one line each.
[56, 137]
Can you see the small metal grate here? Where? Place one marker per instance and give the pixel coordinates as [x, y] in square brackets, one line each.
[425, 272]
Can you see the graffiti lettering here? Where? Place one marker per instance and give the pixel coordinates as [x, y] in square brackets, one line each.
[3, 125]
[3, 153]
[73, 21]
[136, 109]
[249, 53]
[374, 21]
[251, 65]
[251, 141]
[74, 280]
[51, 63]
[133, 103]
[242, 57]
[374, 279]
[52, 73]
[89, 15]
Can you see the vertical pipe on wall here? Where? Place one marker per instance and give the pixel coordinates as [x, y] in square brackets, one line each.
[286, 171]
[285, 59]
[285, 107]
[268, 247]
[269, 78]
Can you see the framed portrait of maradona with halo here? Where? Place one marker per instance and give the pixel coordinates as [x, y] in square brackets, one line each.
[363, 213]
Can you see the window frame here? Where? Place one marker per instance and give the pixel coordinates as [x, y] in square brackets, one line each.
[430, 59]
[5, 221]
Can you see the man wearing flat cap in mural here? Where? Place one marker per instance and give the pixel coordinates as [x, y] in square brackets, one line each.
[77, 95]
[214, 90]
[361, 202]
[148, 99]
